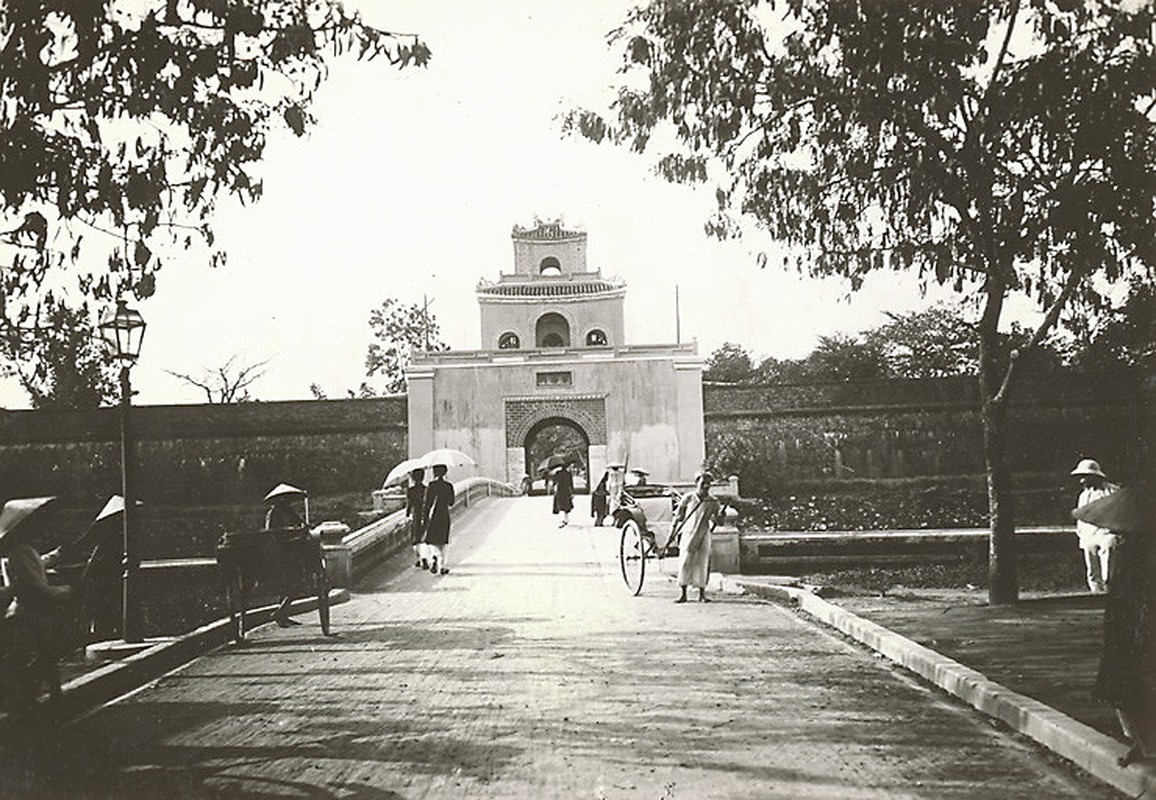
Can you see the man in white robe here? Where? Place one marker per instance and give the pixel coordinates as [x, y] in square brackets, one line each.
[697, 514]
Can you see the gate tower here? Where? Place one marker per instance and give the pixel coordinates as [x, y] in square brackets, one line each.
[552, 337]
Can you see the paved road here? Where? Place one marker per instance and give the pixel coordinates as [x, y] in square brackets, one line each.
[528, 672]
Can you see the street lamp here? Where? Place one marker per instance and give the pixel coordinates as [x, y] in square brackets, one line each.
[124, 330]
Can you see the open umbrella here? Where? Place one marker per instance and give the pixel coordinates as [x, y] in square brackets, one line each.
[553, 462]
[1126, 510]
[16, 516]
[399, 473]
[447, 457]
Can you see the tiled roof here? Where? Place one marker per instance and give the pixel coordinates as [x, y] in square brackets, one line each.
[546, 231]
[548, 289]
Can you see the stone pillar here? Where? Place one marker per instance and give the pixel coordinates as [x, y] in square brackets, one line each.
[420, 404]
[338, 565]
[724, 551]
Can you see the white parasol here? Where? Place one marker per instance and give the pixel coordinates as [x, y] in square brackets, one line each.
[399, 473]
[447, 457]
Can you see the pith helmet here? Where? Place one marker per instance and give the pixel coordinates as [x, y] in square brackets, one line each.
[1089, 467]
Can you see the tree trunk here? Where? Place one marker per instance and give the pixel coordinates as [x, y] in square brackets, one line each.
[1002, 569]
[1002, 572]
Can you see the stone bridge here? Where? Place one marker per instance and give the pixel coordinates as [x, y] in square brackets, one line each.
[529, 672]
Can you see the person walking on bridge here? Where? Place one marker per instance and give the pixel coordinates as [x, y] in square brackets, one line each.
[415, 511]
[563, 493]
[697, 514]
[439, 497]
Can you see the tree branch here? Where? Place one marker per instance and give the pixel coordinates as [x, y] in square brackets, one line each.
[1049, 320]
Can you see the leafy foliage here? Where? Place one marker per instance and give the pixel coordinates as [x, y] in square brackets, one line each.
[124, 122]
[397, 330]
[61, 363]
[730, 363]
[993, 146]
[1125, 338]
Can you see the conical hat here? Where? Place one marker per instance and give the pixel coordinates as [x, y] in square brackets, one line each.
[284, 490]
[114, 506]
[16, 514]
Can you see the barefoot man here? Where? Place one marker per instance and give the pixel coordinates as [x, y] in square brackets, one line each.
[697, 514]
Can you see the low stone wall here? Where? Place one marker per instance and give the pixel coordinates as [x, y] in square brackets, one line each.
[190, 589]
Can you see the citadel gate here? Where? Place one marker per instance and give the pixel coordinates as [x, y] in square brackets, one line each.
[554, 349]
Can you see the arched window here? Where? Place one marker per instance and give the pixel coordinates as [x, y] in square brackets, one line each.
[596, 338]
[552, 331]
[550, 267]
[509, 341]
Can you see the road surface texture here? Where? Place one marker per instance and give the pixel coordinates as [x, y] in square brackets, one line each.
[529, 672]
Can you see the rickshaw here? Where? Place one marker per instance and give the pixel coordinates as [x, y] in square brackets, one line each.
[288, 560]
[645, 516]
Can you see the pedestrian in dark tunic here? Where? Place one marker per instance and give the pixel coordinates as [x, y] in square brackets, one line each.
[1127, 675]
[283, 521]
[563, 494]
[439, 497]
[600, 500]
[415, 512]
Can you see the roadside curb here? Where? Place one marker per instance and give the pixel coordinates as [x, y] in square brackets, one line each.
[118, 678]
[1081, 744]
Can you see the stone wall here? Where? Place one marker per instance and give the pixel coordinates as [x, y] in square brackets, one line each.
[772, 435]
[193, 454]
[768, 435]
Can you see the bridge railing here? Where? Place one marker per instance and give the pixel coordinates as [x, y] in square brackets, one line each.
[361, 550]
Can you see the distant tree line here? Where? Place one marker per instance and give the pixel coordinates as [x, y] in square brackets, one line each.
[942, 341]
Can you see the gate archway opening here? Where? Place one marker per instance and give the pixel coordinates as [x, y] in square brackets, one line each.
[557, 436]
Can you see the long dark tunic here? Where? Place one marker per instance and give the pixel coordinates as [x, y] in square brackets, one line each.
[600, 500]
[415, 510]
[1127, 673]
[564, 493]
[439, 496]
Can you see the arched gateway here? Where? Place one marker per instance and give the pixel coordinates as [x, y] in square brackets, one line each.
[553, 349]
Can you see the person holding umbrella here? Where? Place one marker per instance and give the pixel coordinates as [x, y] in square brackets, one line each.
[563, 493]
[415, 512]
[439, 497]
[35, 621]
[1126, 677]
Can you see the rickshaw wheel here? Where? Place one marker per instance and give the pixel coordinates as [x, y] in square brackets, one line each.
[632, 556]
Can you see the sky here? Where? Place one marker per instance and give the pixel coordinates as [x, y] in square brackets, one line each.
[408, 187]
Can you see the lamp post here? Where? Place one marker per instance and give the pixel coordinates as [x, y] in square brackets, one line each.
[123, 330]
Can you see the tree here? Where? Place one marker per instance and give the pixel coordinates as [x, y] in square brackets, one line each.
[934, 343]
[844, 358]
[730, 363]
[994, 147]
[124, 122]
[1125, 338]
[228, 383]
[397, 330]
[61, 363]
